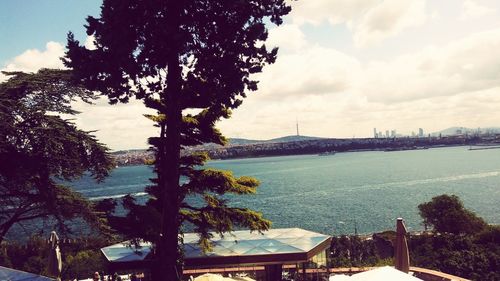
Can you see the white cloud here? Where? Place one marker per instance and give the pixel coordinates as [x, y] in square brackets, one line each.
[89, 42]
[119, 126]
[335, 94]
[286, 36]
[34, 59]
[312, 71]
[473, 10]
[333, 11]
[387, 19]
[334, 91]
[371, 21]
[470, 64]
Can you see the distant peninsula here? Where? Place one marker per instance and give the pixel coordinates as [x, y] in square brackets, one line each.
[298, 145]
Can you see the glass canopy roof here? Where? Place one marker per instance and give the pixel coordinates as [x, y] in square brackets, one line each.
[17, 275]
[124, 252]
[244, 243]
[238, 247]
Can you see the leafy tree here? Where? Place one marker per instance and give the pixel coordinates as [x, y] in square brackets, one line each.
[447, 214]
[83, 264]
[348, 251]
[460, 255]
[39, 150]
[179, 55]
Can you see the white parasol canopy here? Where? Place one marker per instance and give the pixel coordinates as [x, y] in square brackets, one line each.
[385, 273]
[340, 277]
[217, 277]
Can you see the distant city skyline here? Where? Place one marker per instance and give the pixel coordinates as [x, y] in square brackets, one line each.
[344, 67]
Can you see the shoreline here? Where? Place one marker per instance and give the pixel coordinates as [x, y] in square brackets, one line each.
[131, 164]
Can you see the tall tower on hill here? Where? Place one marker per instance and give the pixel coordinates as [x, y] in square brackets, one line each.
[297, 126]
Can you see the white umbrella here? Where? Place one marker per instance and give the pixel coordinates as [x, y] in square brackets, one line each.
[242, 278]
[217, 277]
[401, 254]
[385, 273]
[55, 262]
[210, 277]
[339, 277]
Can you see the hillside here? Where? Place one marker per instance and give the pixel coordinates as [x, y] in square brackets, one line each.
[241, 141]
[452, 131]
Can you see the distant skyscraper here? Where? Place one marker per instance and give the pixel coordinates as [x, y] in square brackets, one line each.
[375, 135]
[387, 133]
[420, 132]
[393, 133]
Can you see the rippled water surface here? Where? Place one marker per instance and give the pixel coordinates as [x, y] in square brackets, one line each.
[330, 194]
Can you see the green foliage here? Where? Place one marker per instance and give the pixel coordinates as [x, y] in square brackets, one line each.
[447, 214]
[178, 55]
[81, 257]
[39, 150]
[464, 246]
[489, 236]
[465, 255]
[4, 258]
[30, 256]
[474, 256]
[352, 251]
[83, 264]
[384, 262]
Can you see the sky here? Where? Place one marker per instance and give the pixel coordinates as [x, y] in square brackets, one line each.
[344, 67]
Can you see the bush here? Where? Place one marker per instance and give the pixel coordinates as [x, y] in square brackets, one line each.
[81, 257]
[83, 264]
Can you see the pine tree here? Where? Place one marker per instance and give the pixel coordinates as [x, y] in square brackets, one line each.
[40, 151]
[177, 55]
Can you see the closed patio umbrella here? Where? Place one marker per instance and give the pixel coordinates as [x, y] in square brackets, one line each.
[401, 255]
[55, 262]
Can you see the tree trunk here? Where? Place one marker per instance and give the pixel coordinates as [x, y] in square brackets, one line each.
[168, 255]
[167, 248]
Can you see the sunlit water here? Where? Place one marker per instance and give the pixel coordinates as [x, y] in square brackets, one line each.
[330, 194]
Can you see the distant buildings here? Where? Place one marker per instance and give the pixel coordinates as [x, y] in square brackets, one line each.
[381, 134]
[393, 134]
[387, 134]
[420, 132]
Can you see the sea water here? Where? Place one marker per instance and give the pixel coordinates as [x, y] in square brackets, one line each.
[336, 194]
